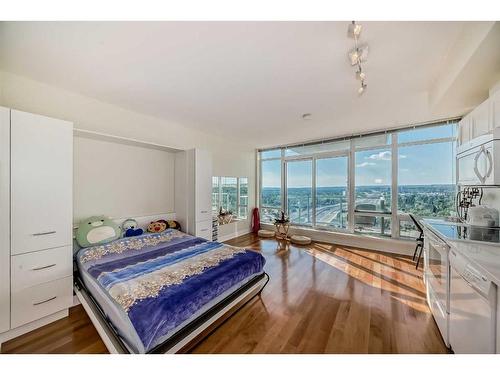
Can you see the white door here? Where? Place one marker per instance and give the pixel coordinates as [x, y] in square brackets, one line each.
[4, 219]
[41, 182]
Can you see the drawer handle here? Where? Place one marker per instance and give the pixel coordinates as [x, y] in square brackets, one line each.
[44, 267]
[44, 233]
[204, 212]
[47, 300]
[204, 230]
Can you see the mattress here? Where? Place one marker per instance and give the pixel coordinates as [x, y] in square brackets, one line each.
[152, 286]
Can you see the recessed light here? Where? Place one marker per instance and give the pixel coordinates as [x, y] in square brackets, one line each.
[306, 116]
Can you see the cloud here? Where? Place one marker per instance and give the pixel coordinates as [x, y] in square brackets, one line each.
[378, 181]
[365, 164]
[402, 156]
[382, 155]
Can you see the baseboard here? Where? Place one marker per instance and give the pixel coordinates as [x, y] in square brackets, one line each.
[230, 236]
[16, 332]
[388, 245]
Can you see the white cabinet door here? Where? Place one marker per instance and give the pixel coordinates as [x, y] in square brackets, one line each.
[203, 183]
[464, 129]
[4, 219]
[481, 119]
[495, 111]
[41, 182]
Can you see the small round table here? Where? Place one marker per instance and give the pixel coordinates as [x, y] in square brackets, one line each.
[282, 230]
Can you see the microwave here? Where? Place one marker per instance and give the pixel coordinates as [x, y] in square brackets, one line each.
[478, 161]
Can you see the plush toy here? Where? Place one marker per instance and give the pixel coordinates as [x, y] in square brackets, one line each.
[157, 226]
[173, 224]
[131, 228]
[97, 230]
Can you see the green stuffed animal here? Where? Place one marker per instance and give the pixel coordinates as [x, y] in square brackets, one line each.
[97, 230]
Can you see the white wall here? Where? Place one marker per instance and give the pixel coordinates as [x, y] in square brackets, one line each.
[229, 157]
[120, 180]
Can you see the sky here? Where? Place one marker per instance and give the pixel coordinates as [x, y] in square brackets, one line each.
[418, 165]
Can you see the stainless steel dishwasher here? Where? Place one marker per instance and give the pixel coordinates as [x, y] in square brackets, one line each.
[473, 308]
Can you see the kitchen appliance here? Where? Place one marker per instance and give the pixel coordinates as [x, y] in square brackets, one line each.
[466, 197]
[478, 161]
[482, 216]
[437, 271]
[473, 308]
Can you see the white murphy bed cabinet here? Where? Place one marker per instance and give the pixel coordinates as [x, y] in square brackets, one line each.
[193, 192]
[36, 199]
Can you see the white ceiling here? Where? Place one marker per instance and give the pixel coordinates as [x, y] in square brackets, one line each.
[246, 80]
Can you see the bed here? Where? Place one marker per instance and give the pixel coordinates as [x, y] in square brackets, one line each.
[163, 292]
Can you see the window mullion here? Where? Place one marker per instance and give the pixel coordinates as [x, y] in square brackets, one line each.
[394, 187]
[351, 182]
[313, 195]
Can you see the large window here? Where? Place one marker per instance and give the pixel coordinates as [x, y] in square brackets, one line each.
[230, 194]
[377, 180]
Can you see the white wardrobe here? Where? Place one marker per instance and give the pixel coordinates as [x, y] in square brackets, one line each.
[193, 192]
[36, 200]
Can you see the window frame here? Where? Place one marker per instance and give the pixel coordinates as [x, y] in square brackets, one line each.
[238, 195]
[394, 146]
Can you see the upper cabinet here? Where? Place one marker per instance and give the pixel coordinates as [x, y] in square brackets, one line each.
[482, 120]
[41, 182]
[495, 110]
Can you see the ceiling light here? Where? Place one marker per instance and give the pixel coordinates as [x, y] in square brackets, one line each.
[354, 30]
[360, 75]
[358, 54]
[362, 88]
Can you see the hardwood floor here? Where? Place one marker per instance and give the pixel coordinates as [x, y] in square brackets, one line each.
[321, 299]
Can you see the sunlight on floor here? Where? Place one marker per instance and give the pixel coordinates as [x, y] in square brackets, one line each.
[391, 274]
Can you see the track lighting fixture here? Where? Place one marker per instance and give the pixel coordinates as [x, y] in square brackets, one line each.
[358, 55]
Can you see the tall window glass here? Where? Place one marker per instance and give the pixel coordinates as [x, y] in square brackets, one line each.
[299, 191]
[373, 180]
[331, 192]
[270, 194]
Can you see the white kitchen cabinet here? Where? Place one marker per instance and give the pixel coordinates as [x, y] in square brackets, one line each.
[193, 192]
[464, 130]
[481, 122]
[495, 110]
[41, 180]
[4, 219]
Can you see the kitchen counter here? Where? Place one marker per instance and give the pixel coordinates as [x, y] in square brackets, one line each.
[485, 255]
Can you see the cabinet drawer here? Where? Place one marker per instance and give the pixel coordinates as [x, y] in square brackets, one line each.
[204, 229]
[203, 214]
[40, 267]
[41, 300]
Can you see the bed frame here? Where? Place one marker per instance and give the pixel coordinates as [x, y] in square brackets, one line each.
[186, 338]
